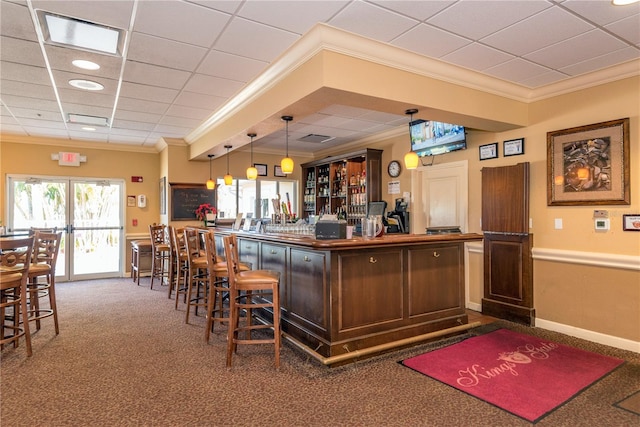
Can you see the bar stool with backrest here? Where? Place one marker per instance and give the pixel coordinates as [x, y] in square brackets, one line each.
[197, 279]
[242, 285]
[180, 266]
[160, 254]
[15, 261]
[43, 266]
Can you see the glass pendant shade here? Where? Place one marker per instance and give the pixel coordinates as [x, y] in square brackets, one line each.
[252, 172]
[228, 178]
[211, 184]
[411, 160]
[286, 164]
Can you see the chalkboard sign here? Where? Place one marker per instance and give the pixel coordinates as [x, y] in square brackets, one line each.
[185, 199]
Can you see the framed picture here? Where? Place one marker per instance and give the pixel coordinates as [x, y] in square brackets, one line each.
[589, 165]
[163, 195]
[489, 151]
[277, 171]
[131, 201]
[513, 147]
[631, 222]
[262, 169]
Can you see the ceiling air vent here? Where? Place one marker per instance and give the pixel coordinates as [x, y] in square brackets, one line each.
[318, 139]
[88, 120]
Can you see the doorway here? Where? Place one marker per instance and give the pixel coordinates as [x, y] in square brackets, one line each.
[89, 212]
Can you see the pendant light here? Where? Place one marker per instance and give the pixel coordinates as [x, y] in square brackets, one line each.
[228, 179]
[252, 172]
[211, 184]
[286, 164]
[411, 159]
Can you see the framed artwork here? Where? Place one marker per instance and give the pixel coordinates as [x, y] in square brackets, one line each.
[262, 169]
[631, 222]
[163, 195]
[513, 147]
[131, 201]
[589, 165]
[488, 151]
[277, 171]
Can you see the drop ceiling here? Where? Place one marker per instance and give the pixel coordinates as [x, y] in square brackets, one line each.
[184, 60]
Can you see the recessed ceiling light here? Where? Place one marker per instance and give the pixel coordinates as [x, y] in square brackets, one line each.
[85, 65]
[623, 2]
[72, 32]
[88, 128]
[86, 84]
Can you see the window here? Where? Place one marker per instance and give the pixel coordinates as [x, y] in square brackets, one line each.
[254, 198]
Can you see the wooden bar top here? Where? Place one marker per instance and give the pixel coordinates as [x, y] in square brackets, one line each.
[358, 242]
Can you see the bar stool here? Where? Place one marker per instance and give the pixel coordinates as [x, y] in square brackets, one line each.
[242, 285]
[140, 249]
[197, 272]
[160, 254]
[15, 261]
[43, 265]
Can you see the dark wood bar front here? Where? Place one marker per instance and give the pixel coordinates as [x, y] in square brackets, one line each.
[347, 295]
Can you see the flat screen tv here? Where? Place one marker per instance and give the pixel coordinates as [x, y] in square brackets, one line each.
[430, 138]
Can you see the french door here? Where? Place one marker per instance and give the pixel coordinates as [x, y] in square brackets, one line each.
[90, 213]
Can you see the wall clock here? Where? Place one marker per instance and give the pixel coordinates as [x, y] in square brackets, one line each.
[394, 169]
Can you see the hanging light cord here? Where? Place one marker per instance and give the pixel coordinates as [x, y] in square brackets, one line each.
[287, 138]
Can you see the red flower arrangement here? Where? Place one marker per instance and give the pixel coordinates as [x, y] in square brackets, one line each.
[203, 210]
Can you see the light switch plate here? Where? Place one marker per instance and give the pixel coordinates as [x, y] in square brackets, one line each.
[558, 223]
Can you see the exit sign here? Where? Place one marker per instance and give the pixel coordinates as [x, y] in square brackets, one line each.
[68, 159]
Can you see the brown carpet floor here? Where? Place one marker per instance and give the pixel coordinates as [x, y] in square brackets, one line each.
[125, 357]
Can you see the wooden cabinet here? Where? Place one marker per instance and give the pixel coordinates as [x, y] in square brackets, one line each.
[343, 184]
[308, 289]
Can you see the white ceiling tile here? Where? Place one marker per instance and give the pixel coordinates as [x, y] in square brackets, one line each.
[180, 121]
[24, 73]
[137, 116]
[163, 52]
[105, 12]
[172, 130]
[546, 28]
[420, 10]
[229, 6]
[132, 104]
[33, 103]
[477, 56]
[231, 67]
[543, 79]
[153, 75]
[86, 110]
[210, 85]
[15, 21]
[364, 19]
[628, 28]
[516, 70]
[148, 93]
[46, 132]
[49, 124]
[89, 136]
[615, 57]
[188, 112]
[180, 21]
[78, 127]
[129, 132]
[463, 17]
[576, 49]
[127, 139]
[601, 12]
[30, 113]
[430, 41]
[128, 124]
[10, 87]
[22, 51]
[254, 40]
[10, 128]
[60, 58]
[198, 100]
[306, 13]
[7, 119]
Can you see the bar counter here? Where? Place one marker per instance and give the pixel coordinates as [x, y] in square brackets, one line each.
[345, 299]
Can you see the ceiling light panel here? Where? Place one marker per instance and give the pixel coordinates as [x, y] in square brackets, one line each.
[65, 31]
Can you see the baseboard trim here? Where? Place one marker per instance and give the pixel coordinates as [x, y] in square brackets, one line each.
[610, 340]
[474, 306]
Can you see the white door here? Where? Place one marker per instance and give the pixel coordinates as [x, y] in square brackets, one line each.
[440, 196]
[89, 212]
